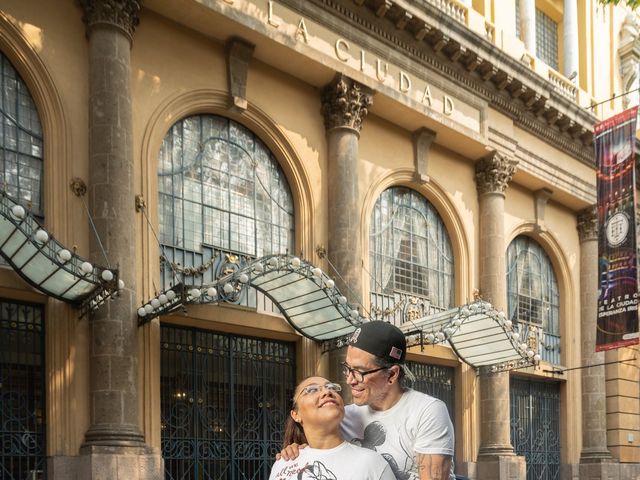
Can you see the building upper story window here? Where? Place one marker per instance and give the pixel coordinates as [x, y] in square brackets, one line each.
[21, 158]
[546, 36]
[221, 194]
[410, 252]
[547, 39]
[532, 295]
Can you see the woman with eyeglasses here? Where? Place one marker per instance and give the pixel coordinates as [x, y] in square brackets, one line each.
[315, 420]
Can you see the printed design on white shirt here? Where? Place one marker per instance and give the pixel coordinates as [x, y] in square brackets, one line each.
[314, 471]
[374, 436]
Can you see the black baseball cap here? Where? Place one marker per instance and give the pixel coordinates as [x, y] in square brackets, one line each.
[381, 339]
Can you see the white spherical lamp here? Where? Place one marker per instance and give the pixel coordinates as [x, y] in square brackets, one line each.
[41, 236]
[18, 211]
[64, 255]
[107, 275]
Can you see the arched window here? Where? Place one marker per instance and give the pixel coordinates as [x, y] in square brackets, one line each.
[532, 292]
[222, 198]
[410, 257]
[21, 165]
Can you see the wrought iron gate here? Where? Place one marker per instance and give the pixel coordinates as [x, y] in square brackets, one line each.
[224, 401]
[22, 402]
[436, 381]
[535, 426]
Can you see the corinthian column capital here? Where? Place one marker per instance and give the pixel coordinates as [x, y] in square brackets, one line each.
[121, 14]
[494, 172]
[588, 224]
[345, 103]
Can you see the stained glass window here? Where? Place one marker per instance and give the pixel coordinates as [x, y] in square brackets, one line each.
[532, 294]
[410, 251]
[220, 190]
[21, 163]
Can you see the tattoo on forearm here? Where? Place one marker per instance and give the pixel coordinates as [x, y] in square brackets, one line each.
[434, 467]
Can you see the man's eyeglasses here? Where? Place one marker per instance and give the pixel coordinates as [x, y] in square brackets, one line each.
[358, 375]
[314, 388]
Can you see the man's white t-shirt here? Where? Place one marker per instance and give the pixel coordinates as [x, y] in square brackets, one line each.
[344, 462]
[418, 423]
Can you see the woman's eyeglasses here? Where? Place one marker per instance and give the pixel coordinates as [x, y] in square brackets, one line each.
[358, 375]
[313, 388]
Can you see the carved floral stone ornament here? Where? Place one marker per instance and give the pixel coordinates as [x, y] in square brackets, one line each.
[345, 103]
[122, 14]
[629, 52]
[494, 172]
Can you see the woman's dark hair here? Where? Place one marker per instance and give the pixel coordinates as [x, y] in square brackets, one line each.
[293, 432]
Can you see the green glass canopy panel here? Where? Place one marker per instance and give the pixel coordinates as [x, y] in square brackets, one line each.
[47, 265]
[480, 335]
[306, 296]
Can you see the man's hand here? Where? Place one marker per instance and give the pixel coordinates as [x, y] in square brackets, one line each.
[434, 467]
[290, 452]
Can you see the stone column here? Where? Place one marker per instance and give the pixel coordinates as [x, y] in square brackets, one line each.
[528, 24]
[595, 458]
[114, 446]
[496, 458]
[570, 40]
[345, 103]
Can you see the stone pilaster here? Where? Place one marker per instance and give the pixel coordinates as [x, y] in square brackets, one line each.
[496, 458]
[528, 24]
[570, 67]
[114, 446]
[345, 103]
[594, 399]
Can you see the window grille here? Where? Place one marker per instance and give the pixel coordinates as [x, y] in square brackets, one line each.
[546, 36]
[22, 393]
[410, 251]
[222, 195]
[224, 401]
[546, 39]
[21, 164]
[533, 296]
[535, 426]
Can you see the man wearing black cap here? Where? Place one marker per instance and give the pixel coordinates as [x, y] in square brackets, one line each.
[410, 429]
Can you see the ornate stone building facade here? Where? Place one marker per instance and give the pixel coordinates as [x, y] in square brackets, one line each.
[421, 153]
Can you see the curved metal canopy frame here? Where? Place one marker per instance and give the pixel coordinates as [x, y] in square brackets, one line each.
[305, 295]
[47, 265]
[308, 299]
[480, 335]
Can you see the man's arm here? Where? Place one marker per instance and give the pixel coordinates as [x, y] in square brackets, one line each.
[434, 467]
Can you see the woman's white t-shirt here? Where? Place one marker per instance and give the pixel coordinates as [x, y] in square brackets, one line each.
[344, 462]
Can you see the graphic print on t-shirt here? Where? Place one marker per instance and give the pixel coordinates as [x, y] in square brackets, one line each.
[374, 436]
[313, 471]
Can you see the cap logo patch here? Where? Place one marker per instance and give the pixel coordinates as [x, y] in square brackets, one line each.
[395, 353]
[356, 334]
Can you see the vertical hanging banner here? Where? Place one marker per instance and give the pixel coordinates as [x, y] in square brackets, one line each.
[614, 140]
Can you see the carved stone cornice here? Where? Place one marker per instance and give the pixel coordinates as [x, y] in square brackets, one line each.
[494, 172]
[588, 224]
[442, 43]
[345, 103]
[120, 14]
